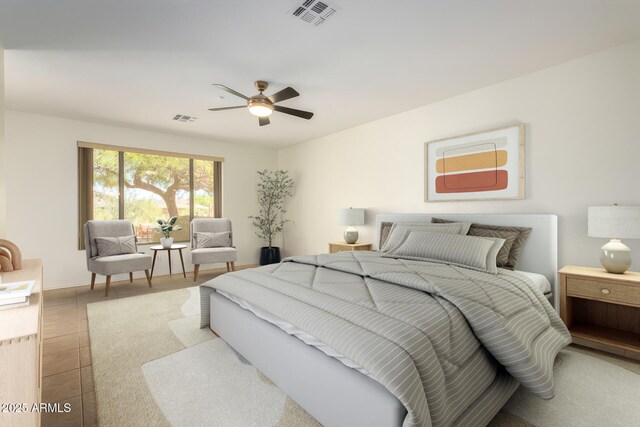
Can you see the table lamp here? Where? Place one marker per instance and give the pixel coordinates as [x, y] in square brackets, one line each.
[615, 222]
[351, 217]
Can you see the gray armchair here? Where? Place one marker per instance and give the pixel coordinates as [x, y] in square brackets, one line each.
[220, 245]
[114, 259]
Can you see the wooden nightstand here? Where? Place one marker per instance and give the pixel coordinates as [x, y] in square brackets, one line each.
[602, 310]
[342, 246]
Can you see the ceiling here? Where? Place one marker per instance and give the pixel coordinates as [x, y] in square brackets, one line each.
[140, 62]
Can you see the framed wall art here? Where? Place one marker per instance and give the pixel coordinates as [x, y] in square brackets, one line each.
[485, 165]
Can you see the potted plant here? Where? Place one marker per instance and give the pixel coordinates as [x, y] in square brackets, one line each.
[166, 227]
[273, 189]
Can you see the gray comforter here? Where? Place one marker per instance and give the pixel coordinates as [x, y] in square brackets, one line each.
[430, 333]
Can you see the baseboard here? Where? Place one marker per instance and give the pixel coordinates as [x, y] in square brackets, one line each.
[101, 279]
[224, 269]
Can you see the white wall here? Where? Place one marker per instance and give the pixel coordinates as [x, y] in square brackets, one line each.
[3, 204]
[42, 207]
[582, 149]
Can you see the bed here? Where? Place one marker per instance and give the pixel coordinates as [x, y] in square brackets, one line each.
[415, 360]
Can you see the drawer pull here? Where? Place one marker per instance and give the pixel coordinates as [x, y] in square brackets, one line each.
[606, 291]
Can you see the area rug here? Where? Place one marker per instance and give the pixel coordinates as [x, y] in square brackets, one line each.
[154, 366]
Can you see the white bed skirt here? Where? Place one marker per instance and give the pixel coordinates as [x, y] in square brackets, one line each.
[332, 393]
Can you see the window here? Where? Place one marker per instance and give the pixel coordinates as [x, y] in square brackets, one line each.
[143, 185]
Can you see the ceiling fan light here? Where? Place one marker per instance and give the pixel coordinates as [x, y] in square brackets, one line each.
[260, 110]
[260, 106]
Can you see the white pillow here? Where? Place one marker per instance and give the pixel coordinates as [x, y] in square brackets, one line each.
[108, 246]
[400, 231]
[478, 253]
[221, 239]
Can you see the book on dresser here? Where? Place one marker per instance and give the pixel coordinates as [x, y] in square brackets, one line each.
[15, 294]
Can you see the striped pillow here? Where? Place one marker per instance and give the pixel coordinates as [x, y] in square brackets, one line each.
[400, 230]
[500, 231]
[478, 253]
[502, 260]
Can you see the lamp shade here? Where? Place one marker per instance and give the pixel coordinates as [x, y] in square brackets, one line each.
[618, 222]
[352, 216]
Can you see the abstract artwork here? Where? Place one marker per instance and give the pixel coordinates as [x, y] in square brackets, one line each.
[486, 165]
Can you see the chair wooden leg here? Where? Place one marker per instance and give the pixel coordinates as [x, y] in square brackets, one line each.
[146, 273]
[106, 288]
[228, 267]
[93, 280]
[131, 277]
[233, 266]
[195, 272]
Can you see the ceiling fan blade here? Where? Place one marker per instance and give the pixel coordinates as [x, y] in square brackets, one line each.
[292, 111]
[231, 91]
[227, 108]
[263, 121]
[283, 95]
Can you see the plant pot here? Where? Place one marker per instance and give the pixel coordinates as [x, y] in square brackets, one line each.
[166, 242]
[269, 255]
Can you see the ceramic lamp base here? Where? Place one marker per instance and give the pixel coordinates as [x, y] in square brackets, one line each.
[351, 235]
[616, 257]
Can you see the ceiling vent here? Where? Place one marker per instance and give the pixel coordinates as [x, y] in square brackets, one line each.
[314, 12]
[183, 118]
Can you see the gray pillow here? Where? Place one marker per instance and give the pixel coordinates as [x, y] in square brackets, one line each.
[385, 229]
[108, 246]
[515, 247]
[478, 253]
[502, 260]
[221, 239]
[400, 230]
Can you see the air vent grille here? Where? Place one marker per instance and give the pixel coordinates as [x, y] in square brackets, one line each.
[308, 17]
[184, 119]
[319, 7]
[314, 12]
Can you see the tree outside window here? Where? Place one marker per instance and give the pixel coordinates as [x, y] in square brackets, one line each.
[141, 187]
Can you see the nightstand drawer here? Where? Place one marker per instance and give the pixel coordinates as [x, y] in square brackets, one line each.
[603, 291]
[342, 246]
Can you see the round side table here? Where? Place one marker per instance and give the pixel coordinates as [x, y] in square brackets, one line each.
[178, 247]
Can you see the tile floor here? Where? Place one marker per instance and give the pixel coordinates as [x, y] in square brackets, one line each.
[66, 363]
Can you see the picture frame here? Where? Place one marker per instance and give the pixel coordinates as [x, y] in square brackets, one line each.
[486, 165]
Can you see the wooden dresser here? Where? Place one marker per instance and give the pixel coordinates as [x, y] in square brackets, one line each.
[21, 351]
[602, 310]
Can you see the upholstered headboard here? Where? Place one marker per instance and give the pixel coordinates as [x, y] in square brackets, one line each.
[539, 254]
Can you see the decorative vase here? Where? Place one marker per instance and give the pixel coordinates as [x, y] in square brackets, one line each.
[269, 255]
[351, 235]
[10, 256]
[616, 257]
[166, 242]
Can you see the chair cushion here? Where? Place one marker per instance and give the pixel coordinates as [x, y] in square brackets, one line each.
[210, 225]
[212, 240]
[213, 255]
[108, 246]
[118, 264]
[101, 228]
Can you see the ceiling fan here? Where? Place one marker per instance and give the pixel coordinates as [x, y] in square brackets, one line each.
[262, 106]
